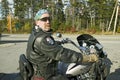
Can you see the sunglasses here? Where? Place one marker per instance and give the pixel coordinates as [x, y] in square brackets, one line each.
[45, 19]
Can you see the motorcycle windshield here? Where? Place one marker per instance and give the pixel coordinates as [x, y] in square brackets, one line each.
[90, 40]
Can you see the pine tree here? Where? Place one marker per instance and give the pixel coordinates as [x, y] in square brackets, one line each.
[5, 8]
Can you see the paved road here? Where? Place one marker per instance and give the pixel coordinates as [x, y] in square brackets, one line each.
[13, 45]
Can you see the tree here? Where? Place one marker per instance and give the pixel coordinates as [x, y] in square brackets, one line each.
[57, 15]
[5, 8]
[21, 8]
[102, 12]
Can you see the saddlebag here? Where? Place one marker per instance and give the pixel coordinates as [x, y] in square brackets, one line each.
[26, 69]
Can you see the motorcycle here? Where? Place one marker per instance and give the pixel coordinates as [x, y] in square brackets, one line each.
[86, 71]
[73, 71]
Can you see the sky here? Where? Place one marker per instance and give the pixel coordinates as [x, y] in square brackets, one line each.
[11, 1]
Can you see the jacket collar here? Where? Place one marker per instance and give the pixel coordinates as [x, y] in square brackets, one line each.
[37, 29]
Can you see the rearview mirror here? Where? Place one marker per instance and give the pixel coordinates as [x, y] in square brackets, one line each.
[59, 35]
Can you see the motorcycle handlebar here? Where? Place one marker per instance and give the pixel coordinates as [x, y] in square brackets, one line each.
[67, 40]
[85, 50]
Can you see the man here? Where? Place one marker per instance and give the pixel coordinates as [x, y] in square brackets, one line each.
[44, 52]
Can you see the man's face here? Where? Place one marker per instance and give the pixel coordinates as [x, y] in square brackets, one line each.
[44, 22]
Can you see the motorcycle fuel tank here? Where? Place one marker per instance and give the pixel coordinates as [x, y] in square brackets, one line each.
[75, 69]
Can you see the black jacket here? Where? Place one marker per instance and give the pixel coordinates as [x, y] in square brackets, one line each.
[44, 53]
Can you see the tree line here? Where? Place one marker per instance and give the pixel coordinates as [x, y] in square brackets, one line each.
[80, 16]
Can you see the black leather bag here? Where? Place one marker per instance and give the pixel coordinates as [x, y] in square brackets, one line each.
[26, 68]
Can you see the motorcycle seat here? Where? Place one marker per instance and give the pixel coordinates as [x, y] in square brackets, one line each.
[26, 68]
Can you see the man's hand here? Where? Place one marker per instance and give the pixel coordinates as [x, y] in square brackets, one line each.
[90, 58]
